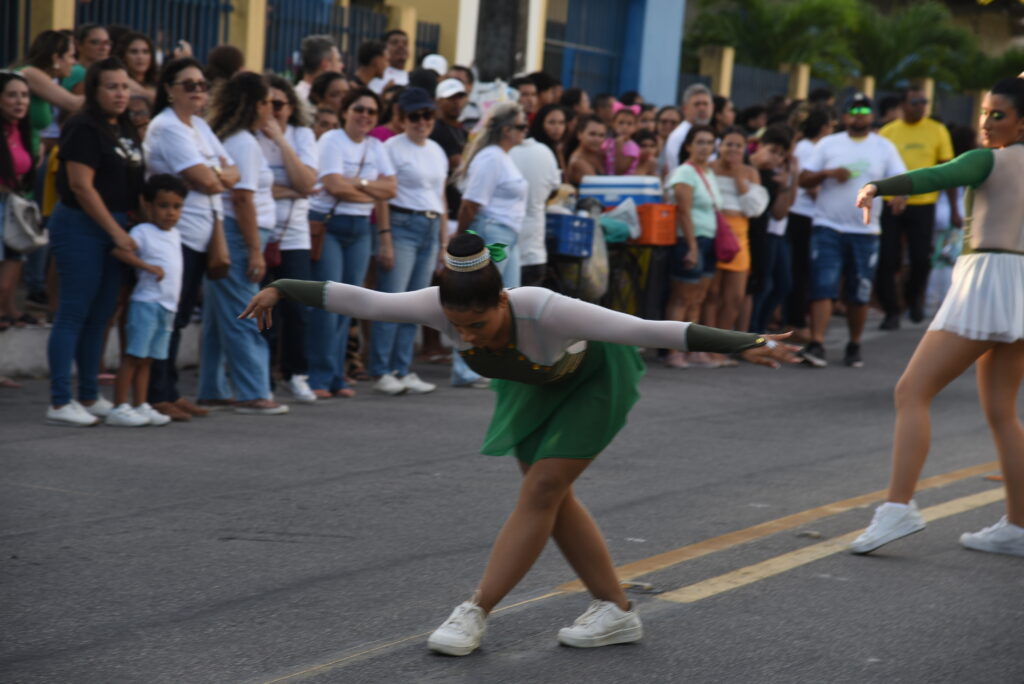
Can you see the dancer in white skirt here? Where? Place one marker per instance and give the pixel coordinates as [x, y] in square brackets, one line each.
[981, 319]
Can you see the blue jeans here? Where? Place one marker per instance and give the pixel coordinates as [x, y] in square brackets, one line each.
[849, 256]
[415, 239]
[226, 340]
[491, 231]
[90, 280]
[345, 257]
[778, 279]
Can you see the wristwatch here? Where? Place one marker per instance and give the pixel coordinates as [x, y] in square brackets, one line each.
[363, 182]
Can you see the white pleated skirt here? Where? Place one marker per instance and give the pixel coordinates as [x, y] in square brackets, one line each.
[986, 299]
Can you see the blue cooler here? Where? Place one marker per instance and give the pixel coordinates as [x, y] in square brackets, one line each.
[570, 235]
[613, 190]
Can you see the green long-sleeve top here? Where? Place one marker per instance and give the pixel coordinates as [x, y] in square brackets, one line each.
[993, 201]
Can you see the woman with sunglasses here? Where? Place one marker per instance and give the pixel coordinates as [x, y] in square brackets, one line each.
[289, 146]
[99, 180]
[494, 201]
[355, 171]
[417, 229]
[241, 107]
[179, 142]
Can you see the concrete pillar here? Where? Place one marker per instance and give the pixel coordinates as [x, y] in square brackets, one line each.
[799, 80]
[978, 97]
[536, 32]
[405, 17]
[716, 61]
[865, 84]
[661, 47]
[928, 86]
[465, 38]
[50, 15]
[248, 31]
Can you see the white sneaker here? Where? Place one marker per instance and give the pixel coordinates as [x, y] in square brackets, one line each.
[71, 414]
[156, 418]
[891, 522]
[389, 384]
[414, 385]
[1003, 537]
[603, 624]
[461, 633]
[125, 416]
[100, 408]
[299, 387]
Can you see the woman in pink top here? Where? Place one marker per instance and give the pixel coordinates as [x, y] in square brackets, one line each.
[16, 166]
[621, 153]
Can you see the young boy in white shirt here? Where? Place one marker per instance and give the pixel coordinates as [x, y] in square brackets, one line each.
[154, 300]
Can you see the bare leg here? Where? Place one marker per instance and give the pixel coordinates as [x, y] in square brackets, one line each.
[125, 378]
[524, 534]
[10, 274]
[856, 317]
[940, 358]
[821, 311]
[141, 382]
[1000, 372]
[711, 299]
[730, 299]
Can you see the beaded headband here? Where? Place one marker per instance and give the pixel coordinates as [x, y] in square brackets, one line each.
[466, 264]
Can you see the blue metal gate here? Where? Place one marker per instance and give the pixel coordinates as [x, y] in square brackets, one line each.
[362, 25]
[428, 40]
[586, 51]
[754, 85]
[14, 31]
[289, 21]
[203, 23]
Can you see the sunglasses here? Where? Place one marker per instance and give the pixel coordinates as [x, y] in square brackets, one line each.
[919, 101]
[860, 110]
[522, 127]
[424, 115]
[360, 109]
[191, 86]
[279, 104]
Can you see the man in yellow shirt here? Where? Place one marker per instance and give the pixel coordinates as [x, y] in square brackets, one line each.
[921, 142]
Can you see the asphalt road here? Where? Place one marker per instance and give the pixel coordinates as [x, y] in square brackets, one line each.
[324, 546]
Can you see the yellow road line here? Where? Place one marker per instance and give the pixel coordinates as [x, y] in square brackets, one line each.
[727, 541]
[788, 561]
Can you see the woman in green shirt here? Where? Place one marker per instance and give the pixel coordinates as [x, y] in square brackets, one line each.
[51, 55]
[981, 320]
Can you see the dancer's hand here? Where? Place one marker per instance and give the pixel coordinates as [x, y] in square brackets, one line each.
[865, 197]
[261, 306]
[773, 354]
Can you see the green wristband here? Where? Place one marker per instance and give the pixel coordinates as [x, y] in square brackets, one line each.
[308, 292]
[707, 339]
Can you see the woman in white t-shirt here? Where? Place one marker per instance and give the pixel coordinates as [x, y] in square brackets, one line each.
[355, 172]
[240, 109]
[179, 142]
[494, 200]
[418, 228]
[289, 146]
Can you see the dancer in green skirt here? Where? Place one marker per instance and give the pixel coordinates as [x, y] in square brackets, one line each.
[566, 375]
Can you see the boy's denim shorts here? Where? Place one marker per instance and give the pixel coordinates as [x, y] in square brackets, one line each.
[849, 257]
[148, 330]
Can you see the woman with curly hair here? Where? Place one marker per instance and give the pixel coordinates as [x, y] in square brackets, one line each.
[136, 51]
[241, 108]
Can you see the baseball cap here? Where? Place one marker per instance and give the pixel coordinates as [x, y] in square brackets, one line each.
[449, 87]
[858, 101]
[437, 63]
[413, 99]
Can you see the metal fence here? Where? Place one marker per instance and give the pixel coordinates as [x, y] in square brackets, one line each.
[14, 32]
[289, 21]
[955, 109]
[754, 86]
[362, 25]
[686, 80]
[203, 23]
[428, 40]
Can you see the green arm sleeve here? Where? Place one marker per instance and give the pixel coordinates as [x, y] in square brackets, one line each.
[969, 169]
[704, 338]
[308, 292]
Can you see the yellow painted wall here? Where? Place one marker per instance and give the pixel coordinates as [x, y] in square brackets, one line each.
[248, 31]
[50, 15]
[443, 12]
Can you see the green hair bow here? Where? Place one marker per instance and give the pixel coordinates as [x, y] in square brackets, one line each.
[496, 249]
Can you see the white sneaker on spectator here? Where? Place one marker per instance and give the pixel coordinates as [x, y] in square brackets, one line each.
[413, 383]
[260, 407]
[299, 387]
[461, 633]
[101, 407]
[71, 414]
[389, 384]
[1003, 537]
[124, 415]
[891, 521]
[603, 624]
[156, 418]
[479, 383]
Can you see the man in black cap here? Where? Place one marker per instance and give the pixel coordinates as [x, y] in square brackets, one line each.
[843, 248]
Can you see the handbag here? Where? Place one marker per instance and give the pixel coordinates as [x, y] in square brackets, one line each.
[318, 229]
[218, 258]
[272, 252]
[727, 246]
[23, 225]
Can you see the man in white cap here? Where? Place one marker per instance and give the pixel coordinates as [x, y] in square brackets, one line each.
[448, 131]
[436, 63]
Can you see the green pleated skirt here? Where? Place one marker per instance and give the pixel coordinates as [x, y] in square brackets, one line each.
[576, 417]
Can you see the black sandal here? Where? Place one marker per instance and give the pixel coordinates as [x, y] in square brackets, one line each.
[28, 319]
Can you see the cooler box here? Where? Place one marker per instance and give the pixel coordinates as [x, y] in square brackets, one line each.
[570, 235]
[657, 225]
[613, 190]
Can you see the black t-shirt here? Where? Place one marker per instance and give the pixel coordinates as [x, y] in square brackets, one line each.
[111, 151]
[452, 140]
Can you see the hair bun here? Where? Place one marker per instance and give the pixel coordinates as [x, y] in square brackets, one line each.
[465, 244]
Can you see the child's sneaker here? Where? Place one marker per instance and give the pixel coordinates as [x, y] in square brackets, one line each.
[298, 385]
[1003, 537]
[461, 633]
[125, 416]
[101, 407]
[155, 417]
[603, 624]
